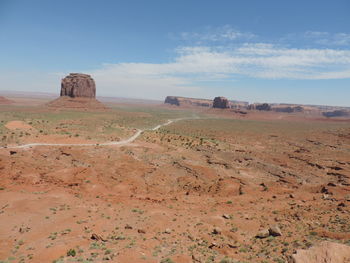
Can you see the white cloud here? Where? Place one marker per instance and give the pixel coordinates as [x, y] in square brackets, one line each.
[197, 65]
[193, 65]
[216, 34]
[328, 39]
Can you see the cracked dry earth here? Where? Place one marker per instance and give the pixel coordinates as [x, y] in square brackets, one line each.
[193, 191]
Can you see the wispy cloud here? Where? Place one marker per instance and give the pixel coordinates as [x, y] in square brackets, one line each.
[215, 35]
[196, 64]
[325, 38]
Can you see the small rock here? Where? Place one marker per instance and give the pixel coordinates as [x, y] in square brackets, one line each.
[341, 204]
[141, 231]
[263, 233]
[275, 231]
[291, 196]
[325, 197]
[12, 152]
[226, 216]
[216, 231]
[324, 190]
[213, 244]
[97, 238]
[167, 231]
[128, 226]
[23, 229]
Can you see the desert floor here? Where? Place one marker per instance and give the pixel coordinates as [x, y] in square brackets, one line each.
[196, 190]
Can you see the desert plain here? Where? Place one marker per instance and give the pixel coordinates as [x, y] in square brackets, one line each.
[210, 186]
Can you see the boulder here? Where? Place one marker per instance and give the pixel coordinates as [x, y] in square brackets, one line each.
[325, 252]
[264, 233]
[78, 85]
[221, 103]
[275, 231]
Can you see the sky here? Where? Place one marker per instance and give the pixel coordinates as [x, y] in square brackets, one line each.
[252, 50]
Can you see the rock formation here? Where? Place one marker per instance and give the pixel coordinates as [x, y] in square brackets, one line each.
[172, 100]
[78, 92]
[260, 107]
[336, 113]
[326, 252]
[221, 103]
[187, 102]
[196, 102]
[78, 85]
[288, 109]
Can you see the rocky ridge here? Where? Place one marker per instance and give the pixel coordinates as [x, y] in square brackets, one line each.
[4, 100]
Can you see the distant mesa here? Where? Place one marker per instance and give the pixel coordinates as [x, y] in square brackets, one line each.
[78, 91]
[336, 113]
[243, 107]
[260, 107]
[221, 103]
[196, 102]
[276, 107]
[5, 101]
[187, 102]
[289, 109]
[172, 100]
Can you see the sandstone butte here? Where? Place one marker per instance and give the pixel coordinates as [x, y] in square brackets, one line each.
[78, 85]
[221, 103]
[78, 91]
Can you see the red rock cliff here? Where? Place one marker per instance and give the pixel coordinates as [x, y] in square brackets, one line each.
[78, 85]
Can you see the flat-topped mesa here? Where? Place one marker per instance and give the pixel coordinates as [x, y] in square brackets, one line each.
[221, 103]
[187, 102]
[260, 106]
[78, 85]
[172, 100]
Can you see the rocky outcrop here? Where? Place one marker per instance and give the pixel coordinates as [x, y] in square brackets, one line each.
[78, 92]
[78, 85]
[172, 100]
[196, 102]
[221, 103]
[326, 252]
[237, 104]
[288, 109]
[336, 113]
[187, 102]
[260, 107]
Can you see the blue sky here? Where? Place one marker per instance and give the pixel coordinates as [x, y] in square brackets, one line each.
[273, 51]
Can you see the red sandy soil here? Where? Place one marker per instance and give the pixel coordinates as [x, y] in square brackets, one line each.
[18, 125]
[85, 104]
[170, 196]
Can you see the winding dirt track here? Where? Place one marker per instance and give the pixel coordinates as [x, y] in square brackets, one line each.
[122, 142]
